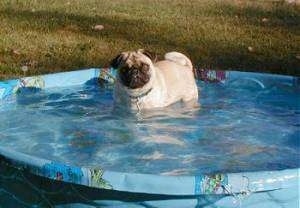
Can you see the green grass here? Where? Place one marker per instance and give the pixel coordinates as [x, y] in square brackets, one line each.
[53, 35]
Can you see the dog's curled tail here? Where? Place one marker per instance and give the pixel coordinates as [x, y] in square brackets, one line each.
[179, 58]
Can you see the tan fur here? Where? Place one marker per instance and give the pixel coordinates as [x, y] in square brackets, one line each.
[172, 80]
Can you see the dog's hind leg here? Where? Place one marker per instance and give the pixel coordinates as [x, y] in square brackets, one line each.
[179, 58]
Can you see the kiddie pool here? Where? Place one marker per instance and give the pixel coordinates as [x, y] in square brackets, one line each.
[27, 180]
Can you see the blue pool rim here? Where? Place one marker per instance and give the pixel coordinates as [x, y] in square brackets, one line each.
[194, 185]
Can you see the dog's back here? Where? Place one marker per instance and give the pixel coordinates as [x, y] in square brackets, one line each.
[179, 58]
[178, 76]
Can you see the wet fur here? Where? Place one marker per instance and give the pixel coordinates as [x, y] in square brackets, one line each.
[153, 84]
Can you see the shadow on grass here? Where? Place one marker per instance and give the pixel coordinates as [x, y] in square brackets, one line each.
[163, 37]
[116, 28]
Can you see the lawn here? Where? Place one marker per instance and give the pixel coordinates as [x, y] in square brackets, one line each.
[53, 35]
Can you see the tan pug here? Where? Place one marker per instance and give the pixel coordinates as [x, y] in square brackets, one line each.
[143, 83]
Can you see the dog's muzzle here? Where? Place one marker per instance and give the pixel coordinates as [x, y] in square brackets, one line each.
[134, 77]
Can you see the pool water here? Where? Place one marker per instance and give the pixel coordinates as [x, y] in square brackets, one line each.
[239, 127]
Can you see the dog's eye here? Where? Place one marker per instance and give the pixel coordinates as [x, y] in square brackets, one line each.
[145, 67]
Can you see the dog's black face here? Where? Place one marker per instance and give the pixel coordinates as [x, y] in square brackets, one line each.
[135, 76]
[133, 72]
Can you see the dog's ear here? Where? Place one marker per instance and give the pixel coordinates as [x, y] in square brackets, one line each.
[149, 54]
[117, 61]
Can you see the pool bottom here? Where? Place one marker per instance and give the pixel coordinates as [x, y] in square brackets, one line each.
[231, 131]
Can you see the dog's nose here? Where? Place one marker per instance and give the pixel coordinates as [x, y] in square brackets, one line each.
[134, 71]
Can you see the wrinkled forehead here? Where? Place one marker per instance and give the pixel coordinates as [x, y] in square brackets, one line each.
[136, 58]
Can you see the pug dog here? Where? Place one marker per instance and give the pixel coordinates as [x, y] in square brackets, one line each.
[144, 83]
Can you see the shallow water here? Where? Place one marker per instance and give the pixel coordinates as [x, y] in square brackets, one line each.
[237, 128]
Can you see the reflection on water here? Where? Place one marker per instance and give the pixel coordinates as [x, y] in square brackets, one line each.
[235, 129]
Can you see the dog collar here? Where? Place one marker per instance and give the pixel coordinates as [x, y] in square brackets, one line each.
[141, 95]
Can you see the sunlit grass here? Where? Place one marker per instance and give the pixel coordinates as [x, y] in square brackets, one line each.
[53, 35]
